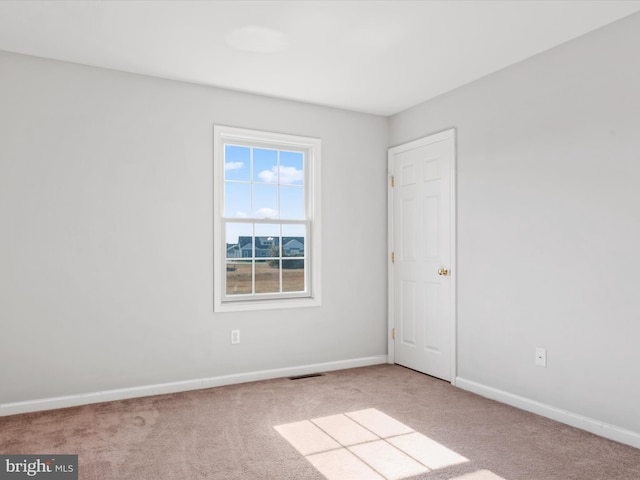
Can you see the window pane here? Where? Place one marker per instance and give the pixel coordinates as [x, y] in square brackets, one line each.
[237, 200]
[265, 201]
[268, 276]
[293, 275]
[237, 163]
[293, 240]
[267, 240]
[239, 238]
[239, 274]
[265, 165]
[292, 203]
[291, 168]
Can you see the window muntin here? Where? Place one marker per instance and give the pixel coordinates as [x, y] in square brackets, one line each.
[266, 218]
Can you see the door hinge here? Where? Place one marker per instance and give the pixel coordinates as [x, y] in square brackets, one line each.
[393, 257]
[393, 334]
[393, 181]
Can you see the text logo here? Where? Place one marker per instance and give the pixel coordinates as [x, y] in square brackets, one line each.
[45, 467]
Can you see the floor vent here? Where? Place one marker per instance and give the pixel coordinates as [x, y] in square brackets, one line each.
[309, 375]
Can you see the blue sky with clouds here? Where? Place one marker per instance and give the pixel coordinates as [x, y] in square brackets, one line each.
[263, 183]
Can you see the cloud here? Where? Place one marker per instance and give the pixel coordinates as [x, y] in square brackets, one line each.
[240, 214]
[287, 175]
[269, 176]
[233, 166]
[290, 175]
[266, 213]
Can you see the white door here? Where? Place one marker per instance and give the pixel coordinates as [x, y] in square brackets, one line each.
[422, 242]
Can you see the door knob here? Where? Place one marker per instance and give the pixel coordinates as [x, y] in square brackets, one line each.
[443, 271]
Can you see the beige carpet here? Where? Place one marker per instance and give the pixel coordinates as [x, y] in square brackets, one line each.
[228, 433]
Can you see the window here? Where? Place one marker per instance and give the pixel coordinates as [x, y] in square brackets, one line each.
[266, 220]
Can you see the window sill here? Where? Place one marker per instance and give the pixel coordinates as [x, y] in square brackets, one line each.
[272, 304]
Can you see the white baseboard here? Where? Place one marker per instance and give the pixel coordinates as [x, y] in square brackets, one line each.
[597, 427]
[173, 387]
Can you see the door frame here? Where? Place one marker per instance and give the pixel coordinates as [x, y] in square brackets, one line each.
[436, 137]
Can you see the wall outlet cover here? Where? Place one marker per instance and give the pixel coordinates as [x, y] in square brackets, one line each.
[541, 356]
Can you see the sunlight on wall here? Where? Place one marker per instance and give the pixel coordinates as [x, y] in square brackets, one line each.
[369, 444]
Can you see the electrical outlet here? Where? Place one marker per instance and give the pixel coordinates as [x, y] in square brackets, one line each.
[235, 336]
[541, 357]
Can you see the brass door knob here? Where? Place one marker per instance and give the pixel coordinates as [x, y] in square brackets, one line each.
[443, 271]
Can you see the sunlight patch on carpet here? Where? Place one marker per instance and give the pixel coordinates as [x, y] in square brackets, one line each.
[369, 445]
[479, 475]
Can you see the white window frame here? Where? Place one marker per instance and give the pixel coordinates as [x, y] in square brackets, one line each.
[223, 135]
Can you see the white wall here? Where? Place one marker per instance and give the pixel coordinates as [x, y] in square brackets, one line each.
[106, 247]
[549, 223]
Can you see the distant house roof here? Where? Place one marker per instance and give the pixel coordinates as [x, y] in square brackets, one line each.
[266, 242]
[293, 243]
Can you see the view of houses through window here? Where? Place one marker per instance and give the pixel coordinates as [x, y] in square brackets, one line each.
[264, 264]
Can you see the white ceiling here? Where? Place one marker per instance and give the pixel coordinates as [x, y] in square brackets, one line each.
[378, 57]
